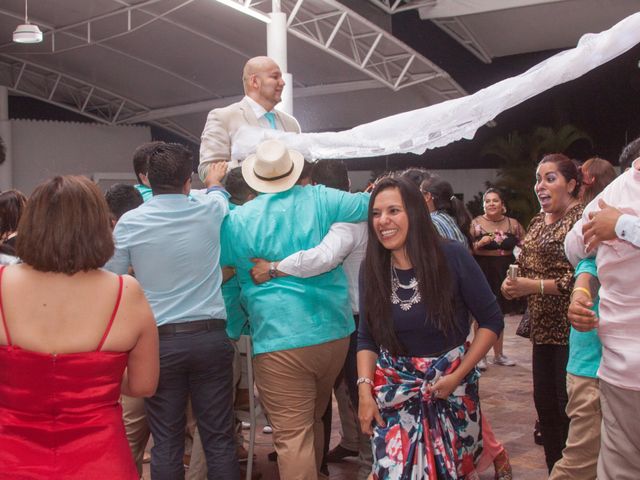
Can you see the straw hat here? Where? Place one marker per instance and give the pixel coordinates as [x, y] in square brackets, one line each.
[273, 168]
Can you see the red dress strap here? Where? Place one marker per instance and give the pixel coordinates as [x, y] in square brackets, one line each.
[113, 315]
[4, 318]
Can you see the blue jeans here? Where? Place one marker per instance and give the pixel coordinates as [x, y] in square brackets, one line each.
[197, 364]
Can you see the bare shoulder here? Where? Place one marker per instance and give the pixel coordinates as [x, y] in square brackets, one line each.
[131, 287]
[134, 302]
[14, 271]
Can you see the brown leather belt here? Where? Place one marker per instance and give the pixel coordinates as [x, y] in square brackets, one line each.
[194, 326]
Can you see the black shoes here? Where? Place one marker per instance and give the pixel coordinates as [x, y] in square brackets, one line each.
[339, 453]
[537, 434]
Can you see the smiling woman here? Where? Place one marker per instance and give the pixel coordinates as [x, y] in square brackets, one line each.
[546, 281]
[418, 388]
[391, 224]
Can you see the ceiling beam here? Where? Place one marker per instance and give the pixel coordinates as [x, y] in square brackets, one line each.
[456, 8]
[206, 105]
[455, 27]
[82, 41]
[449, 16]
[396, 6]
[57, 88]
[342, 33]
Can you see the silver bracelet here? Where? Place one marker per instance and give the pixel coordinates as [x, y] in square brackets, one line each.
[366, 380]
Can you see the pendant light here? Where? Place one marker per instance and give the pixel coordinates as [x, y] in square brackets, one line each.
[27, 32]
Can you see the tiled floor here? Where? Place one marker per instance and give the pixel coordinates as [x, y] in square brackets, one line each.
[506, 395]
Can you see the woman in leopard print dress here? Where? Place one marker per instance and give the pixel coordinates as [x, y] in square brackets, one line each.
[546, 280]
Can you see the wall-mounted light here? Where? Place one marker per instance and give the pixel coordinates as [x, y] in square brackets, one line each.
[27, 32]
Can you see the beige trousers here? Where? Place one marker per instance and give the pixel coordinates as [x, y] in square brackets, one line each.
[620, 446]
[580, 456]
[295, 388]
[136, 427]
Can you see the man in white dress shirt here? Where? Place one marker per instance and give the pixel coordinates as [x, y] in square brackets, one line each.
[263, 85]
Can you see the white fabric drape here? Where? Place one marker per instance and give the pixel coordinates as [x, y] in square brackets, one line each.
[443, 123]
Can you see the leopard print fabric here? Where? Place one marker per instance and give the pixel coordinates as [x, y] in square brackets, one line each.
[543, 257]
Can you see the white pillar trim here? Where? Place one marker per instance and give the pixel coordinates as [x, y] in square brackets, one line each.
[277, 49]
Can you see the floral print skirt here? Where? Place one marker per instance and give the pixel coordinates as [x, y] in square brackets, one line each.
[425, 438]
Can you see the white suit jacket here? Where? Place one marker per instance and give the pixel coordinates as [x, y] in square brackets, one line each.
[223, 123]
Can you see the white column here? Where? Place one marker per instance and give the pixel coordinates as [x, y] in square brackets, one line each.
[277, 49]
[6, 170]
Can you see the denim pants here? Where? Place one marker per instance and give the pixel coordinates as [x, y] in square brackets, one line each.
[198, 364]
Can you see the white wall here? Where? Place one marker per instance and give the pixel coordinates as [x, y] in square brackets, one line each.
[43, 149]
[465, 181]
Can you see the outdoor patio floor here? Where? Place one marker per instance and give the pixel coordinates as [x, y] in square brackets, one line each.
[506, 396]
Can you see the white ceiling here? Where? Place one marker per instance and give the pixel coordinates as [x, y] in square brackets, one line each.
[169, 61]
[497, 28]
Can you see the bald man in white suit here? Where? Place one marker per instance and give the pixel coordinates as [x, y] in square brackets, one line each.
[263, 84]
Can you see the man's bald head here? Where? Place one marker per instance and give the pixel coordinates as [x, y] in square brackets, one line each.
[256, 65]
[262, 80]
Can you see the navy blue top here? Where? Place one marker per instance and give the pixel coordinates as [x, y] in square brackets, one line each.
[414, 330]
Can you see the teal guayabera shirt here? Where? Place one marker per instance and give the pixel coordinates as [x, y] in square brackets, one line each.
[291, 312]
[144, 191]
[237, 320]
[585, 349]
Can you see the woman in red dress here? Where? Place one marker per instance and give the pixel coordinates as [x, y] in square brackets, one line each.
[72, 337]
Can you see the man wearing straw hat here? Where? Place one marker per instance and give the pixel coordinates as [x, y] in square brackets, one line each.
[263, 84]
[300, 326]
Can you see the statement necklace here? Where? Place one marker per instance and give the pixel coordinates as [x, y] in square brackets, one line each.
[405, 305]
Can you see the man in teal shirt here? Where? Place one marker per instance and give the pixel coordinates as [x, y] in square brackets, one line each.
[300, 326]
[141, 168]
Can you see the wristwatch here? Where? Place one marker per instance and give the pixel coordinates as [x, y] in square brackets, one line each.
[273, 273]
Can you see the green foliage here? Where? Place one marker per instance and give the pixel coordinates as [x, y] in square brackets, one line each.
[475, 205]
[520, 153]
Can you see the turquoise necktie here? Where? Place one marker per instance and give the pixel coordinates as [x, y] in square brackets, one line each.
[271, 118]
